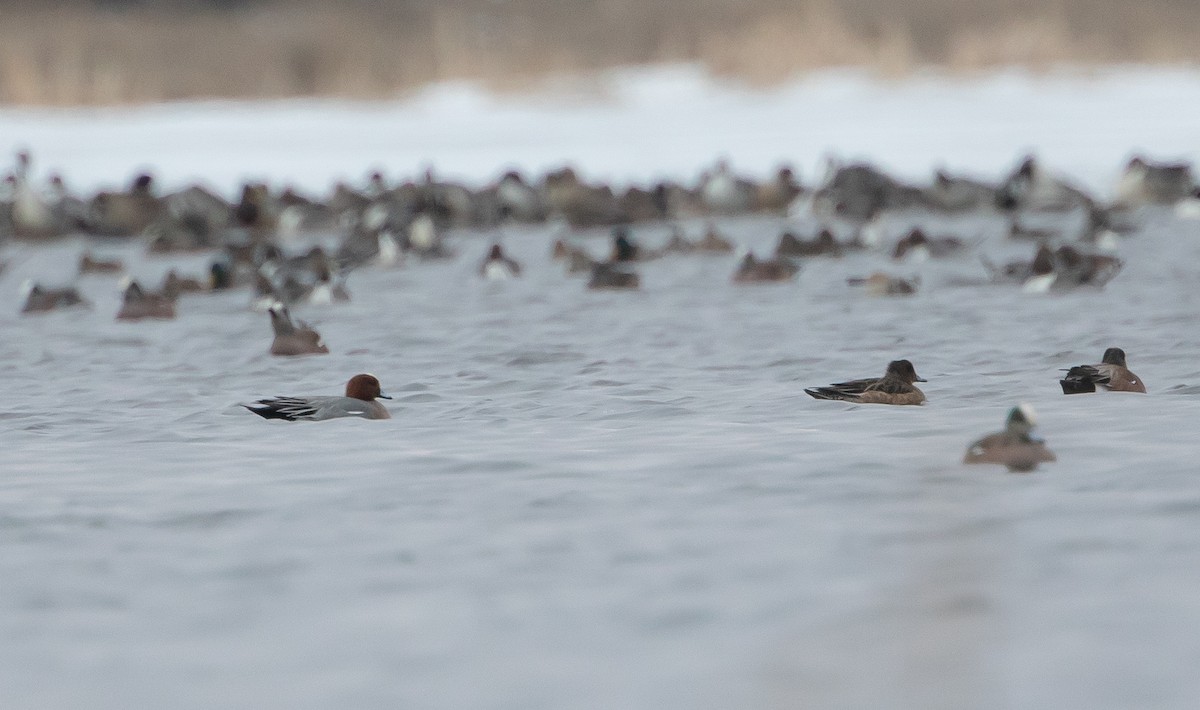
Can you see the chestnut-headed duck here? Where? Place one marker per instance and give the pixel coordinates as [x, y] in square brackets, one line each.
[1111, 374]
[895, 387]
[362, 391]
[1015, 447]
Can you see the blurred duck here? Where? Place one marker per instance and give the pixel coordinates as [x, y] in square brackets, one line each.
[919, 246]
[361, 400]
[880, 284]
[1014, 447]
[1111, 374]
[1031, 187]
[89, 264]
[139, 304]
[722, 192]
[608, 276]
[293, 337]
[776, 193]
[824, 244]
[751, 270]
[124, 214]
[38, 299]
[499, 267]
[1145, 182]
[174, 285]
[713, 242]
[624, 249]
[678, 243]
[895, 387]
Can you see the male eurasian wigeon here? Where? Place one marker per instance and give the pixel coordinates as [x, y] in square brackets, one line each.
[1111, 374]
[293, 338]
[138, 303]
[895, 387]
[1014, 447]
[498, 266]
[362, 391]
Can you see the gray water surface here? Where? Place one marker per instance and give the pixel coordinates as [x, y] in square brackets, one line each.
[603, 500]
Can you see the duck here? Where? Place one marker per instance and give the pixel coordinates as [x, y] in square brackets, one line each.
[624, 249]
[824, 244]
[293, 338]
[918, 244]
[360, 400]
[498, 266]
[89, 264]
[138, 303]
[1014, 447]
[606, 275]
[174, 285]
[39, 299]
[1111, 374]
[713, 242]
[895, 387]
[880, 284]
[752, 270]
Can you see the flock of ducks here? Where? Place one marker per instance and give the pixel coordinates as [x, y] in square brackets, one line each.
[386, 225]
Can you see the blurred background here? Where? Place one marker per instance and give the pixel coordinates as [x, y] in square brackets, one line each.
[102, 52]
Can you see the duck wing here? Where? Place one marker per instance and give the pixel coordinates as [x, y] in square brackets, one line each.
[286, 408]
[1084, 378]
[848, 391]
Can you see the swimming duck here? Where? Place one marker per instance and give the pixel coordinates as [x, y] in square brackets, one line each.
[39, 299]
[713, 241]
[362, 391]
[824, 244]
[1111, 374]
[89, 264]
[498, 266]
[612, 276]
[751, 270]
[1014, 447]
[293, 338]
[880, 284]
[138, 303]
[895, 387]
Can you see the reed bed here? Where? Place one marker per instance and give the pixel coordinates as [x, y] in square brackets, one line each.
[88, 54]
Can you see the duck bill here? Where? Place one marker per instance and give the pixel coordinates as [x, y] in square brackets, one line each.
[383, 396]
[920, 379]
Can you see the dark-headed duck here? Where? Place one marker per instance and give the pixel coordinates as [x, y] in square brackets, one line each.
[1111, 374]
[895, 387]
[1015, 447]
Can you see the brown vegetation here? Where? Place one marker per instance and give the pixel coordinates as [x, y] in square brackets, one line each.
[85, 53]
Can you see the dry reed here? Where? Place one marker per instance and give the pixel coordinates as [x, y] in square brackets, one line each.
[84, 54]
